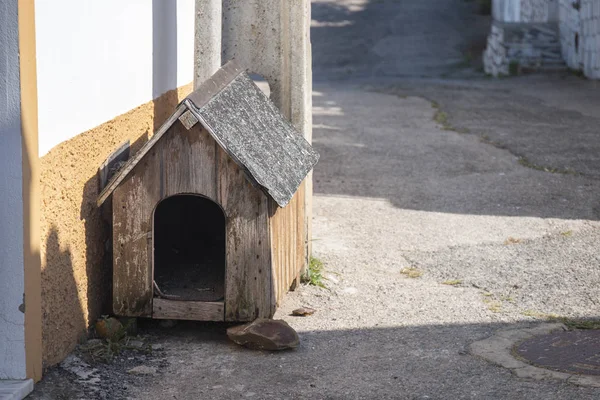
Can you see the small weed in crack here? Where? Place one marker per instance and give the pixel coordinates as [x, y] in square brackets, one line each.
[452, 282]
[486, 139]
[494, 306]
[570, 323]
[116, 341]
[441, 118]
[526, 163]
[512, 240]
[314, 273]
[495, 303]
[411, 272]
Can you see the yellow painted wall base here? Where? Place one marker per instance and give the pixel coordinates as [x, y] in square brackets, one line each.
[76, 271]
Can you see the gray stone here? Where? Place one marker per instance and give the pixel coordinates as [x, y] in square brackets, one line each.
[303, 311]
[581, 380]
[15, 389]
[142, 370]
[136, 344]
[84, 372]
[265, 334]
[94, 342]
[531, 372]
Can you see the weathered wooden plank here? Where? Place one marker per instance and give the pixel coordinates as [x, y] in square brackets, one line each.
[248, 270]
[301, 234]
[188, 310]
[133, 205]
[189, 163]
[278, 223]
[131, 164]
[287, 244]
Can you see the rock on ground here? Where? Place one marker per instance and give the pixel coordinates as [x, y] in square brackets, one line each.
[265, 334]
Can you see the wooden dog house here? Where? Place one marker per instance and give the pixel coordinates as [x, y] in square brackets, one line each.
[196, 211]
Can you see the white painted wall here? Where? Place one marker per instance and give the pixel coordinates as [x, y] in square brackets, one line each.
[525, 10]
[506, 10]
[97, 59]
[12, 321]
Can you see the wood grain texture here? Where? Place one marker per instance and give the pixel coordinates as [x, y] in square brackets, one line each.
[120, 176]
[188, 310]
[287, 244]
[242, 140]
[133, 205]
[248, 273]
[189, 162]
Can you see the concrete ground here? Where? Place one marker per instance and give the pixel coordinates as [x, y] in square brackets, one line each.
[489, 189]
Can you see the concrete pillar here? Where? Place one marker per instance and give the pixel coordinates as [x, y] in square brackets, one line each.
[207, 40]
[272, 38]
[20, 289]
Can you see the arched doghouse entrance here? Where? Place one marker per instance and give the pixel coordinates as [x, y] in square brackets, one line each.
[189, 249]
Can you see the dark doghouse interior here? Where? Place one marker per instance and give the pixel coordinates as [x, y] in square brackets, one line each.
[189, 249]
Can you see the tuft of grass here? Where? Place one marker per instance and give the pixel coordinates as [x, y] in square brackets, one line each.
[512, 240]
[442, 118]
[567, 233]
[107, 349]
[485, 7]
[570, 323]
[493, 305]
[314, 273]
[411, 272]
[487, 140]
[526, 163]
[452, 282]
[540, 315]
[581, 323]
[513, 68]
[507, 298]
[577, 72]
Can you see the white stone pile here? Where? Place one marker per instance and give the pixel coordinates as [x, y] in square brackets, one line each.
[569, 25]
[580, 35]
[535, 11]
[495, 60]
[579, 30]
[590, 37]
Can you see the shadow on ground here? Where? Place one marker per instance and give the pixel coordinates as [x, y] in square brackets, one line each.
[409, 362]
[391, 39]
[481, 150]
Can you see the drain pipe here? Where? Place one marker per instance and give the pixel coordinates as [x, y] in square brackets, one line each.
[207, 39]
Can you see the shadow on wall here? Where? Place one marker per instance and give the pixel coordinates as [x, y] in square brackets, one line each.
[98, 245]
[398, 362]
[98, 222]
[77, 258]
[59, 333]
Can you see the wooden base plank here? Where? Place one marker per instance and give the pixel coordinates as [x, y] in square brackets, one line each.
[188, 310]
